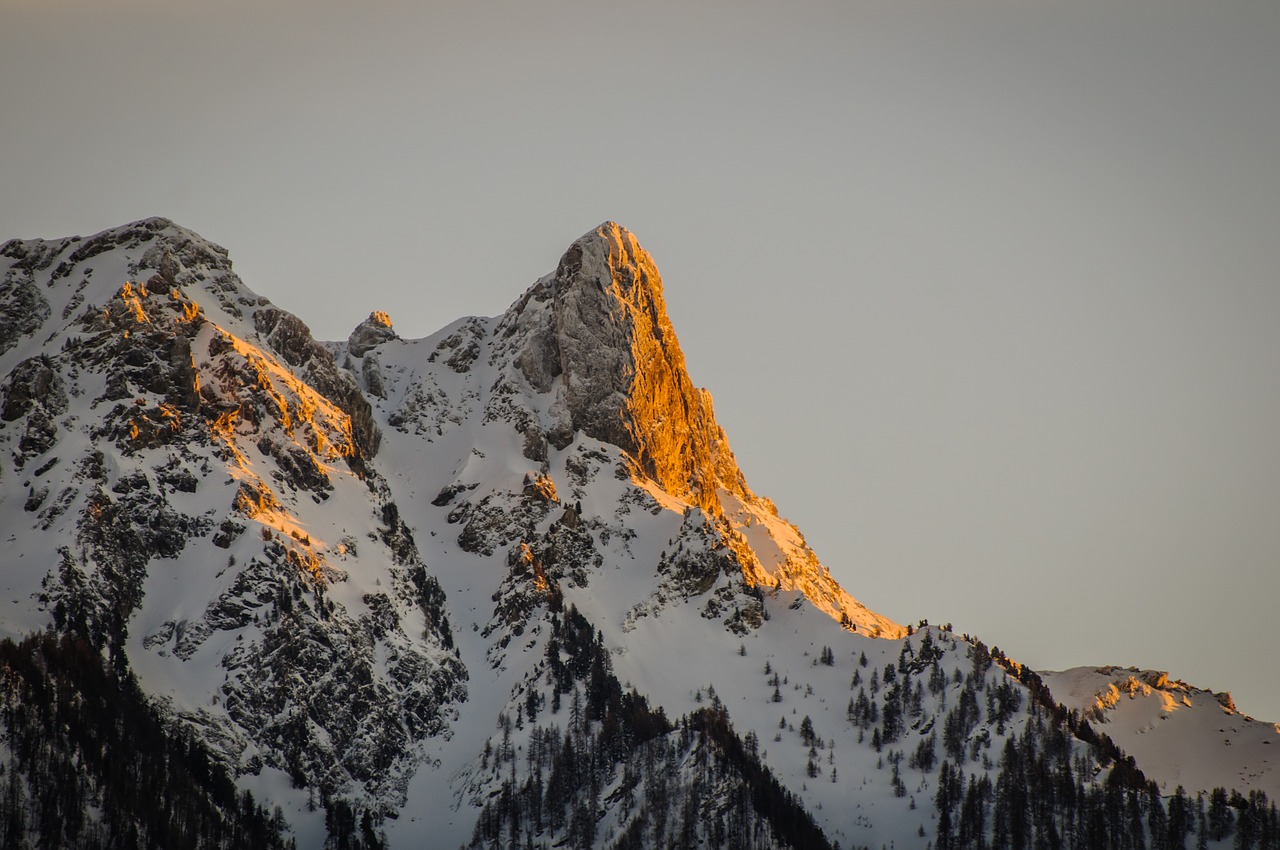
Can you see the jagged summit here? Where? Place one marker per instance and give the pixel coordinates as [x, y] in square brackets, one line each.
[593, 346]
[588, 353]
[598, 327]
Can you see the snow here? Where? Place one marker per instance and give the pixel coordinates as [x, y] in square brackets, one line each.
[1179, 734]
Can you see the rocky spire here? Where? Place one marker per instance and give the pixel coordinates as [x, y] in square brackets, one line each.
[598, 325]
[594, 337]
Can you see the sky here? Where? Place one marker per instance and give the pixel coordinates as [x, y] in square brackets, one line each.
[985, 291]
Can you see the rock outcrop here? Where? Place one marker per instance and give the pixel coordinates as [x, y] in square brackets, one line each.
[594, 337]
[370, 333]
[598, 327]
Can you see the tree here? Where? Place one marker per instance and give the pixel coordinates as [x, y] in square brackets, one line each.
[925, 755]
[807, 735]
[1219, 814]
[1181, 818]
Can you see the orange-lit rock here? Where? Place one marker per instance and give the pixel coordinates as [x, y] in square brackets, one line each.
[595, 335]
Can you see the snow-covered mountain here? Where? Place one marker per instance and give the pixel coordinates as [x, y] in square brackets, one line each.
[1179, 734]
[502, 586]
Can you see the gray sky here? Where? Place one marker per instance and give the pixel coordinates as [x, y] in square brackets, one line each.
[986, 292]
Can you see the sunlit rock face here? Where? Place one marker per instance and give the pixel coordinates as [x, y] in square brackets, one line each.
[598, 326]
[595, 336]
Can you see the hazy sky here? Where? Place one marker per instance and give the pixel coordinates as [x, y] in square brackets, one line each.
[986, 292]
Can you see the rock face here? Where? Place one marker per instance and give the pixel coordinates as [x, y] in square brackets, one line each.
[370, 333]
[22, 309]
[594, 347]
[598, 327]
[290, 337]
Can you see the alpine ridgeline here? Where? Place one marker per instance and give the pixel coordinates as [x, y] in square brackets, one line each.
[504, 586]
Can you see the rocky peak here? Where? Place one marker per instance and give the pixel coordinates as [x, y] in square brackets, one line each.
[370, 333]
[593, 342]
[597, 327]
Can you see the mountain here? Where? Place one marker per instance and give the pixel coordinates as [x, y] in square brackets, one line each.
[1180, 734]
[502, 586]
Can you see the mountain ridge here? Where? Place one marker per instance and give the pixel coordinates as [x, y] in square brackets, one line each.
[396, 587]
[589, 349]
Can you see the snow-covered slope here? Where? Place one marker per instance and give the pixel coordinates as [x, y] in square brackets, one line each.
[1179, 734]
[504, 585]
